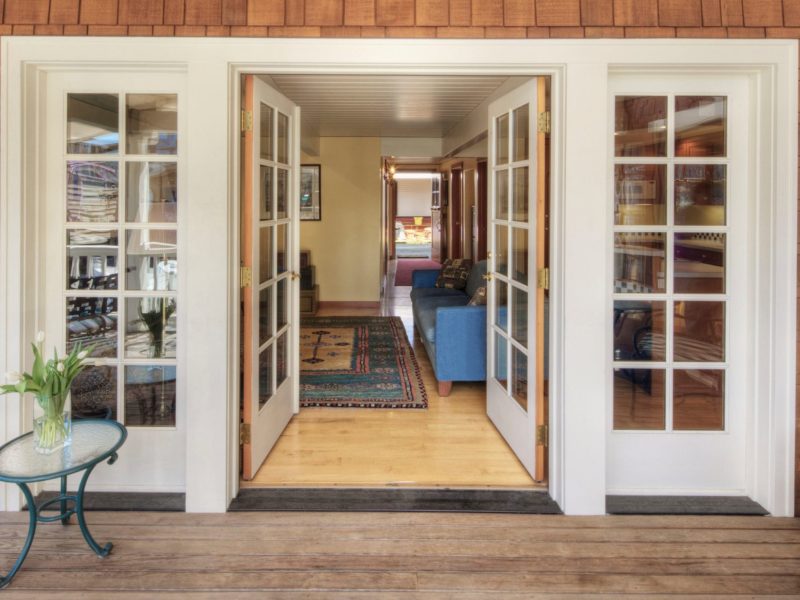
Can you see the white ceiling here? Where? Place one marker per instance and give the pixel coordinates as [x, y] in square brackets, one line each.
[384, 105]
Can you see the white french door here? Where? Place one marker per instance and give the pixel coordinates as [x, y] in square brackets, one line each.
[112, 250]
[269, 256]
[682, 293]
[512, 368]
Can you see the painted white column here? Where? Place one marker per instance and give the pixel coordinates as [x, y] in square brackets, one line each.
[206, 268]
[586, 274]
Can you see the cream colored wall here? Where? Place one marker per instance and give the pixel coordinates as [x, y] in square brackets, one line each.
[345, 244]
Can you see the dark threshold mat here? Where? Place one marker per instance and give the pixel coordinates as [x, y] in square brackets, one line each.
[395, 500]
[683, 505]
[125, 501]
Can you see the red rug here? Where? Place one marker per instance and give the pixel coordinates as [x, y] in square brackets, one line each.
[405, 266]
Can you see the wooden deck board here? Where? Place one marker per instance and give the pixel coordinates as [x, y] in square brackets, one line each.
[402, 555]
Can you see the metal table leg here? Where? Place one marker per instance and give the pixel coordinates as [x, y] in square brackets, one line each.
[104, 551]
[33, 518]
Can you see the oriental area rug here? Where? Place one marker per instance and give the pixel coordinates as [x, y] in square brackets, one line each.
[358, 362]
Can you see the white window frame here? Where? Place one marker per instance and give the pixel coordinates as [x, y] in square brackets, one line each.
[580, 269]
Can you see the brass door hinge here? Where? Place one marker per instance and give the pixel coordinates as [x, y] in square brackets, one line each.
[245, 277]
[543, 122]
[244, 433]
[543, 279]
[542, 435]
[247, 120]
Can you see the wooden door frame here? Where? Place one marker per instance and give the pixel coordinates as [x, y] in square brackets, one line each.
[482, 200]
[455, 218]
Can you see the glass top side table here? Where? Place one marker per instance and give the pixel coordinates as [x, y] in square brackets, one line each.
[93, 441]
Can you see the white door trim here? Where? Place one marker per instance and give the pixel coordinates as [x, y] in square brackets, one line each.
[578, 373]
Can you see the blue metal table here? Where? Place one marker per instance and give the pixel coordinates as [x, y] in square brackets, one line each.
[93, 441]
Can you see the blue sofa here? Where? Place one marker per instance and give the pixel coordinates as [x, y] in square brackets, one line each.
[454, 334]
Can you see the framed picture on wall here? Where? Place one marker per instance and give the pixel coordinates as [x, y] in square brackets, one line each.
[310, 196]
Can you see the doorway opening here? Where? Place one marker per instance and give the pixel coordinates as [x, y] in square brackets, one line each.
[402, 180]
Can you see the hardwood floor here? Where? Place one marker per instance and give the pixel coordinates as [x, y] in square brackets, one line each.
[451, 444]
[406, 555]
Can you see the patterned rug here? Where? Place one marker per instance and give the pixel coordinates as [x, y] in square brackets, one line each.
[406, 266]
[358, 362]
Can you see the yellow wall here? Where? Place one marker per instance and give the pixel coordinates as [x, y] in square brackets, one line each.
[345, 244]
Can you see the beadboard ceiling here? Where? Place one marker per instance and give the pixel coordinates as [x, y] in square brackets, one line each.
[384, 105]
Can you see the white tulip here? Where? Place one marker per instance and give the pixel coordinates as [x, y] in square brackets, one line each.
[82, 354]
[40, 337]
[60, 367]
[13, 377]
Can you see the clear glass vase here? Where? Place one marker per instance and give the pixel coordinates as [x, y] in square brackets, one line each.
[52, 428]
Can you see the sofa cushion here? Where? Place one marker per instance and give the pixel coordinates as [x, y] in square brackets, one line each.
[418, 293]
[455, 274]
[475, 279]
[425, 312]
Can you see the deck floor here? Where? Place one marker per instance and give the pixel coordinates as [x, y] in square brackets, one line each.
[402, 555]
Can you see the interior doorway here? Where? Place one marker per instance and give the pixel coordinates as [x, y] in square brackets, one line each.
[452, 443]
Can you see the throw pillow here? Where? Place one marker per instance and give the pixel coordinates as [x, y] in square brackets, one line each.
[454, 274]
[479, 297]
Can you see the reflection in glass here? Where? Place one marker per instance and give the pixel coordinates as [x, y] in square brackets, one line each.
[265, 376]
[92, 123]
[700, 125]
[152, 192]
[283, 192]
[500, 360]
[521, 194]
[501, 194]
[700, 194]
[266, 125]
[92, 191]
[640, 126]
[501, 249]
[639, 399]
[283, 248]
[519, 377]
[501, 304]
[150, 395]
[283, 139]
[152, 123]
[93, 321]
[265, 254]
[265, 188]
[151, 327]
[282, 366]
[699, 331]
[519, 249]
[282, 303]
[94, 393]
[639, 263]
[639, 330]
[501, 147]
[151, 259]
[521, 133]
[698, 400]
[92, 259]
[265, 315]
[639, 195]
[700, 263]
[519, 324]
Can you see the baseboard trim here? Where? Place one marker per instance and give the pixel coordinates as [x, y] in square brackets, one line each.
[348, 304]
[395, 500]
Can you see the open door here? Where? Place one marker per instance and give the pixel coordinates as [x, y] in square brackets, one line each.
[269, 255]
[515, 336]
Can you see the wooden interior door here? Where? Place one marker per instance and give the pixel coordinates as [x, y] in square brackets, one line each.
[456, 194]
[269, 254]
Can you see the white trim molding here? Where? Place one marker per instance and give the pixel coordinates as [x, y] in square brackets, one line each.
[581, 269]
